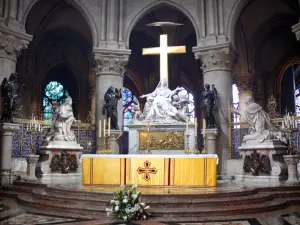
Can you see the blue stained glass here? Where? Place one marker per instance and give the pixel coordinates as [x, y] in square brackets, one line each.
[129, 101]
[54, 90]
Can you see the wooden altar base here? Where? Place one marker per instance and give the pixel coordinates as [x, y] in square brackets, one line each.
[150, 170]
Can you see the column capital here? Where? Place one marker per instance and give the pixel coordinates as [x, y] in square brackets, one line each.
[296, 30]
[219, 57]
[12, 42]
[110, 61]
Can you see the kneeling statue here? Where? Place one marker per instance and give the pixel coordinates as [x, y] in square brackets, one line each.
[62, 121]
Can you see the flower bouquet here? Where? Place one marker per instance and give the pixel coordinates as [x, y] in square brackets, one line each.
[126, 205]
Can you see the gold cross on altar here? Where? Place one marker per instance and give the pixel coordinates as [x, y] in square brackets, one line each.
[147, 170]
[163, 50]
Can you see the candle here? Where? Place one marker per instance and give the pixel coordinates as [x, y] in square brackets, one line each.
[204, 127]
[108, 126]
[187, 125]
[196, 125]
[104, 127]
[99, 134]
[27, 127]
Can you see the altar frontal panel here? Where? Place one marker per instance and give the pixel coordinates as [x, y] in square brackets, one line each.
[150, 171]
[161, 140]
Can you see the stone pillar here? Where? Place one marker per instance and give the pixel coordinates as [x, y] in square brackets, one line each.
[31, 165]
[217, 70]
[211, 140]
[11, 44]
[109, 71]
[296, 28]
[92, 97]
[292, 162]
[7, 131]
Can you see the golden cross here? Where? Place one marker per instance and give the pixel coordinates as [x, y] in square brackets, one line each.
[147, 170]
[163, 50]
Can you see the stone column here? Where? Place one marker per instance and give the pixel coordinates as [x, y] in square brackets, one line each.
[7, 131]
[292, 162]
[217, 70]
[296, 28]
[11, 44]
[92, 97]
[211, 140]
[109, 71]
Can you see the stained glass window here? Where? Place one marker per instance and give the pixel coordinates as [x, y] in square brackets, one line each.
[236, 103]
[191, 106]
[129, 101]
[54, 92]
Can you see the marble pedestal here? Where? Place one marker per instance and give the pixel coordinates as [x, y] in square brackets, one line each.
[263, 162]
[292, 162]
[134, 136]
[211, 140]
[54, 148]
[31, 166]
[7, 131]
[115, 141]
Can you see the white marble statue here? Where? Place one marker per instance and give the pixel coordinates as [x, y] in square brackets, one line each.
[260, 126]
[62, 121]
[164, 105]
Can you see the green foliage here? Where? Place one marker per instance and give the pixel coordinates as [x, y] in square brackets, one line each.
[126, 205]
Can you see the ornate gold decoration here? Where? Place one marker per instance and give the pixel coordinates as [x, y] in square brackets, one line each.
[147, 170]
[272, 107]
[161, 140]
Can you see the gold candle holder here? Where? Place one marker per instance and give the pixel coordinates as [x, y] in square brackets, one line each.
[196, 150]
[148, 151]
[187, 146]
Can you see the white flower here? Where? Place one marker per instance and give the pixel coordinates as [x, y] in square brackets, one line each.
[108, 213]
[108, 210]
[122, 186]
[134, 196]
[125, 218]
[117, 202]
[147, 207]
[144, 217]
[117, 208]
[142, 204]
[125, 200]
[134, 186]
[112, 201]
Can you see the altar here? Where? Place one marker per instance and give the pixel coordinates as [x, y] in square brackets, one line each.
[150, 170]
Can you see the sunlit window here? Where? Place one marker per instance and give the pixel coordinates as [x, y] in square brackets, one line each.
[129, 101]
[236, 103]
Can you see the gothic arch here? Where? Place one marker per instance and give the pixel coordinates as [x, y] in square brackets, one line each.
[136, 80]
[282, 71]
[150, 7]
[233, 17]
[81, 8]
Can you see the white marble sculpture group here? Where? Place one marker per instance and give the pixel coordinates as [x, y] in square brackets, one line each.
[163, 106]
[260, 126]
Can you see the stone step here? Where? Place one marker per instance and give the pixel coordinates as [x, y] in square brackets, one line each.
[107, 195]
[165, 212]
[164, 201]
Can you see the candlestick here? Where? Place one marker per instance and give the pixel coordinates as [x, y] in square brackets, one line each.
[104, 127]
[204, 127]
[196, 126]
[108, 126]
[99, 134]
[187, 124]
